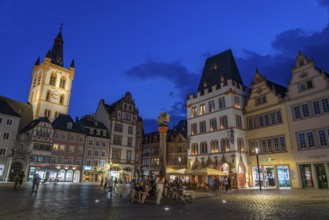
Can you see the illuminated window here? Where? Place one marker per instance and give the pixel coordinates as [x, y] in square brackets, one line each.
[195, 149]
[194, 129]
[213, 124]
[225, 145]
[214, 146]
[202, 109]
[202, 126]
[223, 122]
[237, 102]
[211, 106]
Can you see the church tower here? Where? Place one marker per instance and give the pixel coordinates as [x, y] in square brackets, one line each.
[51, 86]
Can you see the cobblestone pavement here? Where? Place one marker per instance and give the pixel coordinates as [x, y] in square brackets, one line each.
[86, 201]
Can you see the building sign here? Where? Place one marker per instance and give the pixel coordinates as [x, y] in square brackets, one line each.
[87, 167]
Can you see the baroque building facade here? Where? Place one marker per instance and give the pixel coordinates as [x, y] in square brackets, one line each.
[126, 127]
[267, 134]
[216, 129]
[308, 114]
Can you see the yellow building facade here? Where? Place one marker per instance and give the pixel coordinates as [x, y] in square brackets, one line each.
[267, 135]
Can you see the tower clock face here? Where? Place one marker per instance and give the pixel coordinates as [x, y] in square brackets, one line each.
[55, 94]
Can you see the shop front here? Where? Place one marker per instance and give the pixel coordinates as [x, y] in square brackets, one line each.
[92, 174]
[274, 176]
[314, 175]
[52, 174]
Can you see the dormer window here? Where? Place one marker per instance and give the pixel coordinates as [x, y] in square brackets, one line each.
[98, 132]
[305, 85]
[69, 125]
[215, 66]
[91, 131]
[104, 133]
[261, 100]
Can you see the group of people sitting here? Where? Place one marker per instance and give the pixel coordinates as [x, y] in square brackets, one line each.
[144, 187]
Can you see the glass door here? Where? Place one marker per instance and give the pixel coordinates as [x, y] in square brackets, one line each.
[306, 175]
[269, 176]
[255, 176]
[322, 177]
[283, 176]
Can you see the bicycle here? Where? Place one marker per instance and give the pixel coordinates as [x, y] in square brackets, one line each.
[180, 194]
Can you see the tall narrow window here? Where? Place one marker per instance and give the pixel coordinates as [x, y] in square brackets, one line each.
[48, 95]
[52, 80]
[213, 124]
[325, 105]
[305, 110]
[62, 83]
[223, 122]
[297, 114]
[322, 138]
[302, 140]
[316, 108]
[202, 109]
[61, 100]
[238, 121]
[211, 106]
[236, 102]
[310, 139]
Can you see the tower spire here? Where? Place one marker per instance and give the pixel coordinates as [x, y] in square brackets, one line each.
[56, 54]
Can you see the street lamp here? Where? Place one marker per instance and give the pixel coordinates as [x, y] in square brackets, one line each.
[259, 182]
[179, 160]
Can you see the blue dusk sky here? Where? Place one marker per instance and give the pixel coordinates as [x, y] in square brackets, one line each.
[156, 49]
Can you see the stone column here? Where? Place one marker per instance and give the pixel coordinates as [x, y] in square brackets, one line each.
[163, 148]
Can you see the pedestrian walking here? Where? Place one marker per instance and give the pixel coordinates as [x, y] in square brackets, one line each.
[35, 182]
[16, 180]
[216, 185]
[159, 187]
[21, 178]
[110, 185]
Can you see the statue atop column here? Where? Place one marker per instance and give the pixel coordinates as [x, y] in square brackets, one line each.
[163, 120]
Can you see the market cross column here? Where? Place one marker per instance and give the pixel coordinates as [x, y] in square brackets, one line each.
[163, 119]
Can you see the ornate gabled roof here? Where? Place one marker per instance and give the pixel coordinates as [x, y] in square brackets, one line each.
[24, 110]
[219, 66]
[278, 88]
[34, 123]
[62, 121]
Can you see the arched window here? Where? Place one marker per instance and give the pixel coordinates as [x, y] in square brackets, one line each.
[225, 145]
[48, 95]
[62, 83]
[195, 149]
[61, 100]
[204, 148]
[214, 146]
[221, 102]
[52, 80]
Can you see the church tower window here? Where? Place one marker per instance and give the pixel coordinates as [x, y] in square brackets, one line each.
[61, 100]
[53, 78]
[48, 95]
[62, 83]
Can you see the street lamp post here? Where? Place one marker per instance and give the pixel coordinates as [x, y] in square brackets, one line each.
[259, 182]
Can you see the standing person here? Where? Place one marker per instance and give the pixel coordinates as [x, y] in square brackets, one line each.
[105, 185]
[102, 181]
[16, 180]
[159, 187]
[36, 182]
[229, 182]
[226, 183]
[21, 177]
[216, 186]
[110, 185]
[115, 187]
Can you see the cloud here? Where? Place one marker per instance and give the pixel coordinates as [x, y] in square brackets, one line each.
[184, 82]
[277, 66]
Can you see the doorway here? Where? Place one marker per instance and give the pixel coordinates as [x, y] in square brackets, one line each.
[283, 176]
[306, 175]
[322, 177]
[269, 175]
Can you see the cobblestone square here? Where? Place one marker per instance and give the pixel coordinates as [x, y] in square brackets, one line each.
[86, 201]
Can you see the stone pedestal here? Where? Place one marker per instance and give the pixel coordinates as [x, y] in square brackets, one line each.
[163, 149]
